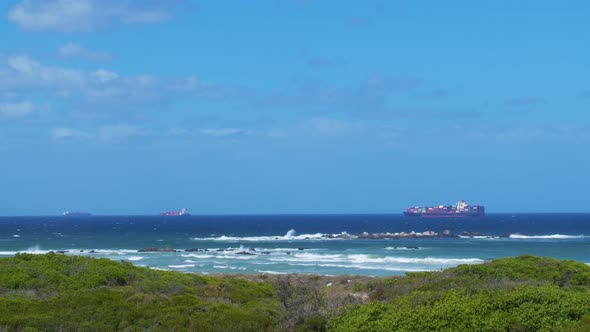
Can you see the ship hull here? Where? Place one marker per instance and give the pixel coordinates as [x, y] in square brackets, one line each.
[443, 215]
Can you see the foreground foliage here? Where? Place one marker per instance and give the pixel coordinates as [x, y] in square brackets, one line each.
[512, 294]
[68, 293]
[56, 292]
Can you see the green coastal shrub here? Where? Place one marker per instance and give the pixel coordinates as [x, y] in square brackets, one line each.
[511, 294]
[55, 292]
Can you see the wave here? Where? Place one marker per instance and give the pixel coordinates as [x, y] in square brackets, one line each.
[135, 258]
[271, 272]
[291, 235]
[552, 236]
[404, 248]
[36, 250]
[364, 267]
[182, 266]
[476, 237]
[362, 259]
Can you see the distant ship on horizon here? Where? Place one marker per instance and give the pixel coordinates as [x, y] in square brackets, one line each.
[75, 213]
[460, 209]
[182, 212]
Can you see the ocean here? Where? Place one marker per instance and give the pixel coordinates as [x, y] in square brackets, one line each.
[310, 244]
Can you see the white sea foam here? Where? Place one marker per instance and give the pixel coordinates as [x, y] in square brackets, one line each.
[305, 257]
[372, 259]
[271, 272]
[403, 248]
[197, 256]
[228, 267]
[16, 235]
[363, 267]
[182, 266]
[36, 250]
[407, 260]
[291, 235]
[135, 258]
[552, 236]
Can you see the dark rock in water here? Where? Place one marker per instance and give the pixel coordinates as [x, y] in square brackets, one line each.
[81, 250]
[245, 253]
[61, 251]
[471, 234]
[412, 247]
[505, 235]
[92, 252]
[300, 248]
[154, 249]
[288, 253]
[192, 250]
[252, 249]
[265, 252]
[220, 250]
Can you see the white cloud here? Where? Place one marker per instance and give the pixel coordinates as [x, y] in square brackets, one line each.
[104, 76]
[222, 132]
[67, 133]
[71, 50]
[23, 71]
[117, 131]
[87, 15]
[15, 110]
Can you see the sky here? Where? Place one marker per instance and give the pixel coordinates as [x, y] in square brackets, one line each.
[293, 106]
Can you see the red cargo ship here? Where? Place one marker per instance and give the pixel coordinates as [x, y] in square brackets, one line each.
[461, 209]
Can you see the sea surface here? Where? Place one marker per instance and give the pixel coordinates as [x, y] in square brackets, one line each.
[310, 244]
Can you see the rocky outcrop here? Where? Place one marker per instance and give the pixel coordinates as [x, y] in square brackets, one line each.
[155, 249]
[404, 235]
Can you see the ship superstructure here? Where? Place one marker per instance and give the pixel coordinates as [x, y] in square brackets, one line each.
[75, 213]
[460, 209]
[182, 212]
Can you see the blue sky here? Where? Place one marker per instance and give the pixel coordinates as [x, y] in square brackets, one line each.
[293, 106]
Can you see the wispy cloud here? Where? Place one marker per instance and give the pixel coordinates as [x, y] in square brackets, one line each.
[71, 50]
[118, 131]
[16, 109]
[525, 101]
[22, 75]
[222, 132]
[62, 133]
[105, 133]
[87, 15]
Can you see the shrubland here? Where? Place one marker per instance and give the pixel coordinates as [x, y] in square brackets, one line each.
[55, 292]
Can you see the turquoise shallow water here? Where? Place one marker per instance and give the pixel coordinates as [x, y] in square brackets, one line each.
[299, 244]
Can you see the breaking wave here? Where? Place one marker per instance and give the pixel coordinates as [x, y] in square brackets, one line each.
[291, 235]
[552, 236]
[362, 259]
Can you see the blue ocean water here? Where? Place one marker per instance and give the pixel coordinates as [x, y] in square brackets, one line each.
[299, 243]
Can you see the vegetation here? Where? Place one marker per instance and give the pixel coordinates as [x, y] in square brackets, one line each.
[57, 292]
[69, 293]
[512, 294]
